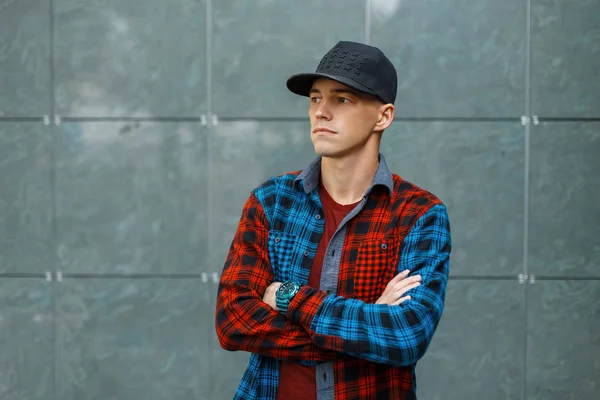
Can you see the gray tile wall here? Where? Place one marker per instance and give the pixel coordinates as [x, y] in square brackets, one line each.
[132, 132]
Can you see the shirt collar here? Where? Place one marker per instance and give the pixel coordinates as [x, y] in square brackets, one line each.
[309, 177]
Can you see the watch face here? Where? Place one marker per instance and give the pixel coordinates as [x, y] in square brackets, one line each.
[287, 289]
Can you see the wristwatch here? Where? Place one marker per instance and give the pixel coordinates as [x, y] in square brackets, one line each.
[285, 294]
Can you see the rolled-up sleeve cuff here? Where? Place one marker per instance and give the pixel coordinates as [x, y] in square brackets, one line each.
[304, 306]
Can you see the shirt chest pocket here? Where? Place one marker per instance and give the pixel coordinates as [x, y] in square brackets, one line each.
[376, 264]
[282, 254]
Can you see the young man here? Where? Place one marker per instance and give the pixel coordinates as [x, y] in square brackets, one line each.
[336, 277]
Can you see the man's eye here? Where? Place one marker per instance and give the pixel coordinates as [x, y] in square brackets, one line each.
[344, 100]
[315, 99]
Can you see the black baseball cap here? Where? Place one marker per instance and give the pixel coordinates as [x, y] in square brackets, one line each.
[357, 65]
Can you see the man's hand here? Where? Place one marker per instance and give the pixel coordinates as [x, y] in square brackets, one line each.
[269, 296]
[392, 295]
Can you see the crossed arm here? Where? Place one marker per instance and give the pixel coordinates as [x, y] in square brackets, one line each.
[243, 320]
[318, 326]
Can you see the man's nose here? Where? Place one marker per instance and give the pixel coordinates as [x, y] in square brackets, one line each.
[323, 111]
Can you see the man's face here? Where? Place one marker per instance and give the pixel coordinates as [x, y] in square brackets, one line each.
[342, 119]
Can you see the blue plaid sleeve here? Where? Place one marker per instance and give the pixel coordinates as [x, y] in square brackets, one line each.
[396, 335]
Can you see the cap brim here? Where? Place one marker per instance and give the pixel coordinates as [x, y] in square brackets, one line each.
[302, 83]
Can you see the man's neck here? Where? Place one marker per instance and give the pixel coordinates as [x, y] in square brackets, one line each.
[347, 179]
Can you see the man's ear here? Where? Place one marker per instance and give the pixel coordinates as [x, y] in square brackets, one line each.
[386, 116]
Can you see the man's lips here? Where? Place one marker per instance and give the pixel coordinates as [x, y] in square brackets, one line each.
[323, 131]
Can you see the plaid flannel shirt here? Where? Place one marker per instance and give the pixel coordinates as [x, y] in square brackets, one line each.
[374, 348]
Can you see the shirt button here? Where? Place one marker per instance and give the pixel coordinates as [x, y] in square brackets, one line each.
[277, 240]
[383, 246]
[306, 253]
[318, 216]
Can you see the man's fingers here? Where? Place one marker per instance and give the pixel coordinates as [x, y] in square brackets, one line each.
[404, 289]
[399, 277]
[401, 300]
[408, 281]
[398, 286]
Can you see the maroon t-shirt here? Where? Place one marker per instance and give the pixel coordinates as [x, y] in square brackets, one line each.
[297, 381]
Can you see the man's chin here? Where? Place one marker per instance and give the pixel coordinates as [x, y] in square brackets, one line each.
[328, 153]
